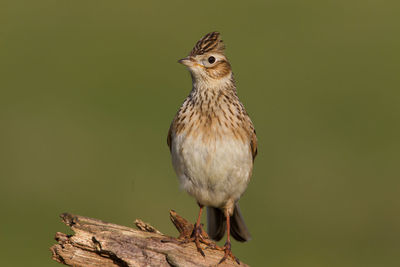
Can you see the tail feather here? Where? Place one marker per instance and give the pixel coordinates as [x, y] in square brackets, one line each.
[239, 229]
[216, 224]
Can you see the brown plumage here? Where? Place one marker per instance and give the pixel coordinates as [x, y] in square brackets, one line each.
[213, 142]
[210, 42]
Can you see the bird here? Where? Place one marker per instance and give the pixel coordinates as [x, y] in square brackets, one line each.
[213, 144]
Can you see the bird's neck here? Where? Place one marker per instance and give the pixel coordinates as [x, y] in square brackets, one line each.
[210, 88]
[209, 96]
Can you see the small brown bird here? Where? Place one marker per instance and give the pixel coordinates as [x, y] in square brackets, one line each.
[213, 143]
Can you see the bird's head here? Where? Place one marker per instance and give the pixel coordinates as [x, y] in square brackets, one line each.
[207, 61]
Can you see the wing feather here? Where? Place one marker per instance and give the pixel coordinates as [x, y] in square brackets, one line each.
[169, 138]
[253, 144]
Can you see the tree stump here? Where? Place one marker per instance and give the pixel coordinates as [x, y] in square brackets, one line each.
[97, 243]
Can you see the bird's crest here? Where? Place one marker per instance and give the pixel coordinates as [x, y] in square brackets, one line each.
[210, 42]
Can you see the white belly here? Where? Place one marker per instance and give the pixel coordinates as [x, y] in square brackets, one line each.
[214, 172]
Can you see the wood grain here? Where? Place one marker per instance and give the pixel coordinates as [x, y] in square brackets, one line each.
[96, 243]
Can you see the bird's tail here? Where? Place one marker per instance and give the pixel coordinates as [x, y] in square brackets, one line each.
[216, 224]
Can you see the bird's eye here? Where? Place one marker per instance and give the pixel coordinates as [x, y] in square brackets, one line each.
[211, 60]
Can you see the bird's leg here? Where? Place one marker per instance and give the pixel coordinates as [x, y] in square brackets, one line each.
[196, 234]
[227, 246]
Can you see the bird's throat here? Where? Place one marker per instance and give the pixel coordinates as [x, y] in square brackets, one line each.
[212, 86]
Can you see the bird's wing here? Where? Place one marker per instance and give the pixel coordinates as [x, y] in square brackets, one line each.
[253, 143]
[169, 137]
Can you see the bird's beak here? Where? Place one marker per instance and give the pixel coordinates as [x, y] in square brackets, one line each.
[187, 61]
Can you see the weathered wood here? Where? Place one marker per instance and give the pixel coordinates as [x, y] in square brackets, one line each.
[97, 243]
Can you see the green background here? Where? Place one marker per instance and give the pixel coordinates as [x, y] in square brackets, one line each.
[88, 90]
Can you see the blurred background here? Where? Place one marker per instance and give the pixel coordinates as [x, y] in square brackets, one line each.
[88, 90]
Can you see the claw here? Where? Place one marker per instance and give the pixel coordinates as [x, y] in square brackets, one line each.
[197, 238]
[228, 253]
[212, 245]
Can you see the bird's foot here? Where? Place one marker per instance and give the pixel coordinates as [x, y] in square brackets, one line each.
[212, 245]
[194, 234]
[198, 238]
[228, 253]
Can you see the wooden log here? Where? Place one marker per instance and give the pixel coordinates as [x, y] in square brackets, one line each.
[96, 243]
